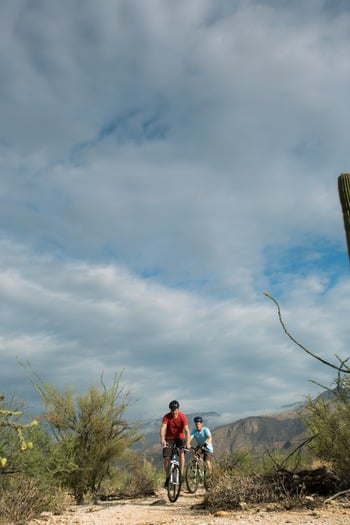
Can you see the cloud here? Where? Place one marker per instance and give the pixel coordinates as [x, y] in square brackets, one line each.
[161, 165]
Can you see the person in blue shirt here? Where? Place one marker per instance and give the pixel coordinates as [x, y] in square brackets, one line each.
[203, 438]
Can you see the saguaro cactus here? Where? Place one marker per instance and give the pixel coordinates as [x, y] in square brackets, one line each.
[344, 195]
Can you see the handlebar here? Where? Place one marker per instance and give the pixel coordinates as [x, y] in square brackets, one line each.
[174, 446]
[198, 450]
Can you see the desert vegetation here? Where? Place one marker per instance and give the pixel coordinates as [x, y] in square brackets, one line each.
[82, 451]
[81, 448]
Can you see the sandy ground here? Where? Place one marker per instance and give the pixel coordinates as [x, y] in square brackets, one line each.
[159, 511]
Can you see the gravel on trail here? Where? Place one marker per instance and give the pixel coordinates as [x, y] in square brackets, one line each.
[187, 511]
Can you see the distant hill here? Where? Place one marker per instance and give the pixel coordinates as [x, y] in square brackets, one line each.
[257, 434]
[282, 431]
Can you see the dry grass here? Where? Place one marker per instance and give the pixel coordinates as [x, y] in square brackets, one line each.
[231, 492]
[25, 499]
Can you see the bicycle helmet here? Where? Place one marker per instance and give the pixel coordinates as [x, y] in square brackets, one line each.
[198, 419]
[174, 404]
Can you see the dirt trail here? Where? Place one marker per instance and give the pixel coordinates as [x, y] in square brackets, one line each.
[186, 511]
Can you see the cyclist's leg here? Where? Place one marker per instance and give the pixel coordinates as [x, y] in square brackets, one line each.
[208, 469]
[182, 462]
[207, 456]
[166, 461]
[180, 443]
[166, 466]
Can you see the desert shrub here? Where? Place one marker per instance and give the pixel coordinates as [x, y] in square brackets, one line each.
[299, 458]
[239, 462]
[134, 476]
[241, 478]
[140, 480]
[23, 498]
[28, 485]
[328, 421]
[229, 491]
[90, 434]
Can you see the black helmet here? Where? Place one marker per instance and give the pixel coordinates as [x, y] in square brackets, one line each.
[198, 419]
[174, 404]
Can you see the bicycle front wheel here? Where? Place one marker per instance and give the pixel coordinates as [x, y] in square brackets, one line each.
[208, 480]
[174, 485]
[192, 477]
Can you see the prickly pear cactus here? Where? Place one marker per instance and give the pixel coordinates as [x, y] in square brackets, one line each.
[344, 195]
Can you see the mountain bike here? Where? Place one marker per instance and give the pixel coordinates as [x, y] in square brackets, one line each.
[196, 471]
[174, 476]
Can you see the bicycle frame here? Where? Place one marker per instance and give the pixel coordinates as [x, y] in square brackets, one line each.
[174, 476]
[196, 470]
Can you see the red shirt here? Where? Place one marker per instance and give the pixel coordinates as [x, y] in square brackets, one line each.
[175, 425]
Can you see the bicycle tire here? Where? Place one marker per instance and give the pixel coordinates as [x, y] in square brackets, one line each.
[207, 479]
[192, 476]
[174, 485]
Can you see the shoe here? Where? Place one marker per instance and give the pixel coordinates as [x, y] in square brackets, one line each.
[166, 483]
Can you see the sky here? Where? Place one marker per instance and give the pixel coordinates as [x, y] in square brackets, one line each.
[162, 165]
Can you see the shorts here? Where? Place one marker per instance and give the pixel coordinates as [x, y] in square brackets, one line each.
[167, 450]
[207, 455]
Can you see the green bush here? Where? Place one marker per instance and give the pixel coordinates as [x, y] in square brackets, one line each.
[239, 462]
[133, 476]
[141, 478]
[28, 485]
[328, 421]
[90, 434]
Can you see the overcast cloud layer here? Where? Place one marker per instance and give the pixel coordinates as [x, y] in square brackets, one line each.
[161, 165]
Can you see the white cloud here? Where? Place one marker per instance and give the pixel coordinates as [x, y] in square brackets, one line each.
[161, 165]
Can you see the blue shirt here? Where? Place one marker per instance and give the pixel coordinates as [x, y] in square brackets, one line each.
[201, 437]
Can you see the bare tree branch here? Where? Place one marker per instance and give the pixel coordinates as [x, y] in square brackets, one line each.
[339, 368]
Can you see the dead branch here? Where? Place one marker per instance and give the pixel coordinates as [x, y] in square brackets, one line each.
[336, 496]
[339, 368]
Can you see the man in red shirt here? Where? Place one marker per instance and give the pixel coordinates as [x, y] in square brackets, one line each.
[174, 429]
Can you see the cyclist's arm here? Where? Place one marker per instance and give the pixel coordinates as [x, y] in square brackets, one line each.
[187, 436]
[208, 440]
[162, 434]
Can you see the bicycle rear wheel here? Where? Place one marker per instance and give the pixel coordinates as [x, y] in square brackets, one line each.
[192, 476]
[174, 485]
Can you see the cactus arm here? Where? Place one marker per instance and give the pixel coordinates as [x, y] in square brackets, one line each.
[344, 196]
